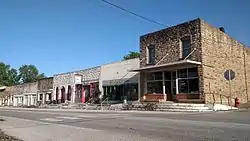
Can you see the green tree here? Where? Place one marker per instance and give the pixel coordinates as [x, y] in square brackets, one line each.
[131, 55]
[8, 75]
[29, 73]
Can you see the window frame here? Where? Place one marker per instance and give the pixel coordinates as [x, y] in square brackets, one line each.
[183, 39]
[151, 59]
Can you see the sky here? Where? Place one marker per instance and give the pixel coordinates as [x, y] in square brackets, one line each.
[65, 35]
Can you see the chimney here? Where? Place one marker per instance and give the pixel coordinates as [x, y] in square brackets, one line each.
[222, 29]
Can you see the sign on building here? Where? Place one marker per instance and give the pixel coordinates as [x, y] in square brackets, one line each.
[78, 79]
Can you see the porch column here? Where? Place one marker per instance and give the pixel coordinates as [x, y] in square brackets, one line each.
[139, 86]
[177, 83]
[29, 100]
[73, 93]
[164, 86]
[8, 101]
[44, 96]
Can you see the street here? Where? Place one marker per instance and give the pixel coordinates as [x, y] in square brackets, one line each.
[111, 126]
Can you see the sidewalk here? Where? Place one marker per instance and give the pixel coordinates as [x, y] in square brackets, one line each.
[90, 111]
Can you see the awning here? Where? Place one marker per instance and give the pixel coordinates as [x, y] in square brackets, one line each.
[122, 81]
[172, 64]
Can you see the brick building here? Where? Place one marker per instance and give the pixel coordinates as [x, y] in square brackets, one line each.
[186, 63]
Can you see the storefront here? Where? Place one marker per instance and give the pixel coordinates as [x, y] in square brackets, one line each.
[171, 82]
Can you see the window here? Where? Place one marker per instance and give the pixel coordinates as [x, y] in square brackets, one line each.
[50, 97]
[167, 75]
[151, 54]
[182, 73]
[186, 46]
[192, 72]
[154, 76]
[154, 82]
[188, 80]
[41, 97]
[158, 75]
[155, 87]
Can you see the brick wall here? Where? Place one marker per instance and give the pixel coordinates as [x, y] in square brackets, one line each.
[219, 53]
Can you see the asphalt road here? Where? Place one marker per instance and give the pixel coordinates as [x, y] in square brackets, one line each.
[58, 125]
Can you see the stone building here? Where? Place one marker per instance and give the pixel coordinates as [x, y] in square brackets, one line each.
[118, 82]
[19, 95]
[69, 87]
[186, 63]
[44, 90]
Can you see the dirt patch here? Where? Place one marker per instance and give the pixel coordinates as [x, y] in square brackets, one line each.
[4, 137]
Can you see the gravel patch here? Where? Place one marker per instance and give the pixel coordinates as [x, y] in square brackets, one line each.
[4, 137]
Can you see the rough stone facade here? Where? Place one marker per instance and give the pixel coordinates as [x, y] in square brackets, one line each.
[220, 53]
[90, 75]
[67, 80]
[63, 80]
[216, 51]
[45, 84]
[167, 44]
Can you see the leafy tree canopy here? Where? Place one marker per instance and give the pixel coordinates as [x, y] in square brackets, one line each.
[10, 76]
[29, 73]
[131, 55]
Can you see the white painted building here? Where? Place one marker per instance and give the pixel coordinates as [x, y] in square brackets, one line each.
[118, 81]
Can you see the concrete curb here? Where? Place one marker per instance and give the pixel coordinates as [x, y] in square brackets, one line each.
[96, 111]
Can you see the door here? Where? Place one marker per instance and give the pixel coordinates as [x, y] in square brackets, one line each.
[86, 92]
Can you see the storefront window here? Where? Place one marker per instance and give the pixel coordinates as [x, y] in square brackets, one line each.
[188, 80]
[155, 87]
[150, 76]
[182, 73]
[167, 75]
[158, 75]
[192, 72]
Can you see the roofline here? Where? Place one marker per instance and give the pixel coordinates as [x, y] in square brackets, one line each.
[170, 27]
[76, 71]
[121, 61]
[168, 64]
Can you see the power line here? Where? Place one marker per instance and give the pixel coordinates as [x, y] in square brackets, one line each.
[133, 13]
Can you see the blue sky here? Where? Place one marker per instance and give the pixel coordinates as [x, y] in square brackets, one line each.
[65, 35]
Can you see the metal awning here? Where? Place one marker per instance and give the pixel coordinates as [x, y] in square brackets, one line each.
[122, 81]
[172, 64]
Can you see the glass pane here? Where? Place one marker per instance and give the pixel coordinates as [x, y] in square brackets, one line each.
[183, 86]
[186, 46]
[167, 75]
[174, 87]
[186, 52]
[150, 76]
[168, 87]
[155, 87]
[174, 75]
[158, 75]
[192, 72]
[193, 85]
[151, 53]
[182, 73]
